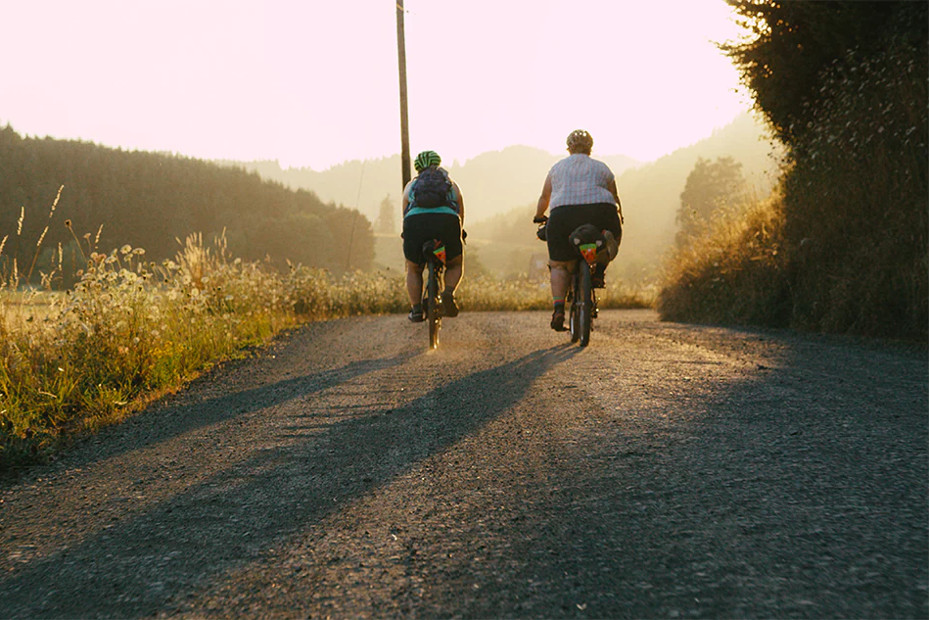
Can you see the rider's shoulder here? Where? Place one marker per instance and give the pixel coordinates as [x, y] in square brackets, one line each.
[602, 165]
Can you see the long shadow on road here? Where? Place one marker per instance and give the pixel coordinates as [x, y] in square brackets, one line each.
[796, 491]
[147, 564]
[177, 419]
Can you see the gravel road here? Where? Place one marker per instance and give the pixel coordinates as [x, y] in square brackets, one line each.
[666, 471]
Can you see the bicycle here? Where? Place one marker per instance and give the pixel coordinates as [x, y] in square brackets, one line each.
[434, 252]
[580, 299]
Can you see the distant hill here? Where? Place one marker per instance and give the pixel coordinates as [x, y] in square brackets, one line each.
[501, 189]
[491, 183]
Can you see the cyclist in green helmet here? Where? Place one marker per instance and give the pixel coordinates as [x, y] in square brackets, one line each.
[432, 209]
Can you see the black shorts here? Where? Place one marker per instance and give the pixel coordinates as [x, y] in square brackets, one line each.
[418, 229]
[566, 218]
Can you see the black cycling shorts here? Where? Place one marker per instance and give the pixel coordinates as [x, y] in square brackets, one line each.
[566, 218]
[420, 228]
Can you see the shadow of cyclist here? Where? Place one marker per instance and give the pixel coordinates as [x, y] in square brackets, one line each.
[230, 519]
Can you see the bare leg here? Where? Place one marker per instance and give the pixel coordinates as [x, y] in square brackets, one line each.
[454, 270]
[414, 283]
[560, 276]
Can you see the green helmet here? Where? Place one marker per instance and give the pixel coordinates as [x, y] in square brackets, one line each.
[426, 159]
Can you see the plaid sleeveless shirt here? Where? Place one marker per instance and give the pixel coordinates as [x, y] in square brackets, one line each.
[580, 180]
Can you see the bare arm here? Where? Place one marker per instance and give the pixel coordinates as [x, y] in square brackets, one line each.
[405, 200]
[612, 186]
[543, 203]
[461, 201]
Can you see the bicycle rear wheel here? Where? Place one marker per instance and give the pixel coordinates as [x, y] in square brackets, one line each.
[433, 316]
[574, 324]
[585, 303]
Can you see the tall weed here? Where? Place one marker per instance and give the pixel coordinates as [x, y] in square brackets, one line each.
[734, 273]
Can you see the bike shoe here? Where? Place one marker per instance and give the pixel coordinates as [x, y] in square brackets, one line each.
[416, 316]
[449, 308]
[558, 322]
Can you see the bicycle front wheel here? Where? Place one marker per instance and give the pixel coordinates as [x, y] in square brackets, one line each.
[433, 316]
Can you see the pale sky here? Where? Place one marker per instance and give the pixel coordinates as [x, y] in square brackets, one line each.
[315, 82]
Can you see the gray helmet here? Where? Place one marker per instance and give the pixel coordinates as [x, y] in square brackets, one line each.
[579, 140]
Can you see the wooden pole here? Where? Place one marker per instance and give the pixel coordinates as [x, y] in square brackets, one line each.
[402, 66]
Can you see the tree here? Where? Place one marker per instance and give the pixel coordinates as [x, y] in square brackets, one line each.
[794, 43]
[710, 188]
[844, 85]
[385, 221]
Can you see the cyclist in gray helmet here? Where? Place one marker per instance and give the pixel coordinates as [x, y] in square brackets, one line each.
[578, 190]
[433, 209]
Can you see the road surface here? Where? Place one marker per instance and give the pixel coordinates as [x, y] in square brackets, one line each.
[665, 471]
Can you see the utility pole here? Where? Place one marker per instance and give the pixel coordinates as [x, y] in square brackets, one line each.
[402, 66]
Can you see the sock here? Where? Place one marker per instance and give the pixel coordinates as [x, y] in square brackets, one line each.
[558, 304]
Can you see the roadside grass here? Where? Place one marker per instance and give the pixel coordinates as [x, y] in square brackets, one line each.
[735, 273]
[486, 293]
[131, 330]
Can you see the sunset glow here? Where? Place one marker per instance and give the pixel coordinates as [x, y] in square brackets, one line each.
[315, 83]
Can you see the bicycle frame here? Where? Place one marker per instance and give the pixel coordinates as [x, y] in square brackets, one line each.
[581, 301]
[435, 254]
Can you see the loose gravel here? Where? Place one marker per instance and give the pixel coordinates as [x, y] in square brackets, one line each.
[665, 471]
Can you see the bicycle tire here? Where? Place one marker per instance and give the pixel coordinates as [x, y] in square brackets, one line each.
[433, 316]
[573, 324]
[585, 305]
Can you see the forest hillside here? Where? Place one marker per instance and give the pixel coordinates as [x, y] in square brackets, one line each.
[152, 200]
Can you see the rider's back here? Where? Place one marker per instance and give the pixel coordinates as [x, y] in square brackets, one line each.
[580, 180]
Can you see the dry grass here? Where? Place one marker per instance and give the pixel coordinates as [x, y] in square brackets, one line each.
[130, 329]
[733, 274]
[485, 293]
